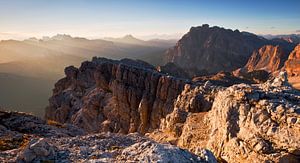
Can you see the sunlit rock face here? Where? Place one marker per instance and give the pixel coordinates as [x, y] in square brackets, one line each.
[269, 58]
[292, 65]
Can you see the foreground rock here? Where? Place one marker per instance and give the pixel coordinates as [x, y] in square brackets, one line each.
[25, 138]
[246, 123]
[104, 148]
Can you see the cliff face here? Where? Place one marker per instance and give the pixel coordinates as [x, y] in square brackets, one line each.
[213, 49]
[115, 96]
[269, 58]
[292, 65]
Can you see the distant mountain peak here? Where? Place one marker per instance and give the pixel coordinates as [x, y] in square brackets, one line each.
[61, 37]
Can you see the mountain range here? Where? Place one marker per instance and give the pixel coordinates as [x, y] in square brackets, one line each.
[217, 95]
[43, 60]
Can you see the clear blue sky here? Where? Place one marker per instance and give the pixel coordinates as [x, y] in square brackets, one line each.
[145, 19]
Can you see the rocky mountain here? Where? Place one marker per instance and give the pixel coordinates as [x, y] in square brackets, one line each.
[269, 58]
[239, 123]
[214, 49]
[292, 38]
[129, 39]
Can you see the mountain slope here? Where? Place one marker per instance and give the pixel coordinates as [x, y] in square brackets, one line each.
[26, 94]
[214, 49]
[269, 58]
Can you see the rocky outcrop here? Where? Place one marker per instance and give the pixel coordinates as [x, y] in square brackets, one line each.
[264, 62]
[246, 123]
[25, 138]
[108, 148]
[213, 49]
[269, 58]
[116, 96]
[18, 129]
[292, 65]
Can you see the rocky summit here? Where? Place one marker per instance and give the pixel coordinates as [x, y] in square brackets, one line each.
[236, 122]
[213, 49]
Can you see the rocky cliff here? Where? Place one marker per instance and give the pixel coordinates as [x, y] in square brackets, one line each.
[240, 123]
[213, 49]
[292, 65]
[269, 58]
[245, 123]
[117, 96]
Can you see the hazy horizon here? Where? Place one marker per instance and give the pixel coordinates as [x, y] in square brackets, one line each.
[168, 19]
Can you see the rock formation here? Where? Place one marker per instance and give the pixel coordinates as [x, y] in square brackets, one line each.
[213, 49]
[240, 123]
[25, 138]
[116, 96]
[269, 58]
[263, 63]
[246, 123]
[292, 65]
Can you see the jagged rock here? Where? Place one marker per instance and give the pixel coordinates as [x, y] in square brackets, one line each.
[213, 49]
[292, 65]
[105, 147]
[241, 123]
[36, 151]
[115, 96]
[264, 62]
[23, 123]
[269, 58]
[246, 123]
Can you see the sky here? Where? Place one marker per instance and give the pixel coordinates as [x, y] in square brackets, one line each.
[146, 19]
